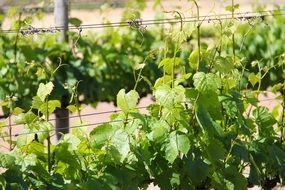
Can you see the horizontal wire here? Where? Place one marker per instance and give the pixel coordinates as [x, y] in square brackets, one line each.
[209, 18]
[77, 116]
[72, 127]
[111, 111]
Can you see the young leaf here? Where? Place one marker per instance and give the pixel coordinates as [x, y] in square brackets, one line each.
[44, 90]
[197, 169]
[253, 79]
[193, 59]
[183, 143]
[18, 110]
[223, 65]
[264, 120]
[52, 105]
[127, 102]
[72, 108]
[215, 151]
[168, 97]
[75, 21]
[206, 123]
[206, 83]
[167, 64]
[101, 134]
[45, 128]
[37, 102]
[26, 118]
[120, 141]
[171, 149]
[160, 130]
[165, 80]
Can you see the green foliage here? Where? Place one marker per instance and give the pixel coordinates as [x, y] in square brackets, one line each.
[127, 102]
[204, 129]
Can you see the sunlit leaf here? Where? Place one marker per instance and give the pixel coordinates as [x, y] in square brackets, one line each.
[127, 102]
[44, 90]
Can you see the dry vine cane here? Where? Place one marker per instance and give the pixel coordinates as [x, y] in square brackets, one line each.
[74, 44]
[32, 30]
[139, 26]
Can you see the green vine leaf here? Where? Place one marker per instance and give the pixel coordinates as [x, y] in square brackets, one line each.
[264, 120]
[165, 80]
[223, 65]
[254, 78]
[51, 105]
[215, 151]
[206, 123]
[127, 102]
[206, 83]
[168, 63]
[160, 130]
[6, 160]
[171, 148]
[193, 59]
[120, 141]
[169, 97]
[197, 170]
[183, 143]
[26, 118]
[176, 143]
[212, 104]
[44, 90]
[102, 134]
[37, 102]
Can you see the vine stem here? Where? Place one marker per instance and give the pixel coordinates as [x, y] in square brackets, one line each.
[198, 34]
[77, 102]
[230, 151]
[138, 79]
[233, 34]
[17, 37]
[173, 65]
[10, 133]
[282, 117]
[48, 141]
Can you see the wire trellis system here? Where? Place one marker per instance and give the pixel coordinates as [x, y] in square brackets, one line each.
[81, 115]
[111, 111]
[85, 125]
[72, 127]
[137, 23]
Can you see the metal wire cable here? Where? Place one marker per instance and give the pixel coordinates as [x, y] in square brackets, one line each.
[214, 17]
[84, 125]
[72, 127]
[81, 115]
[110, 111]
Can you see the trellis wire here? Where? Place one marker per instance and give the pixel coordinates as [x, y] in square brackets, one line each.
[109, 112]
[72, 127]
[244, 16]
[81, 115]
[85, 125]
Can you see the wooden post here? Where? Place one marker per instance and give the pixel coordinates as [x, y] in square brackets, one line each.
[61, 18]
[61, 21]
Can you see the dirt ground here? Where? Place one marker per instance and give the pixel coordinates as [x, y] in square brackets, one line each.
[114, 15]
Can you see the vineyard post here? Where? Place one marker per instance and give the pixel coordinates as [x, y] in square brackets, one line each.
[61, 21]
